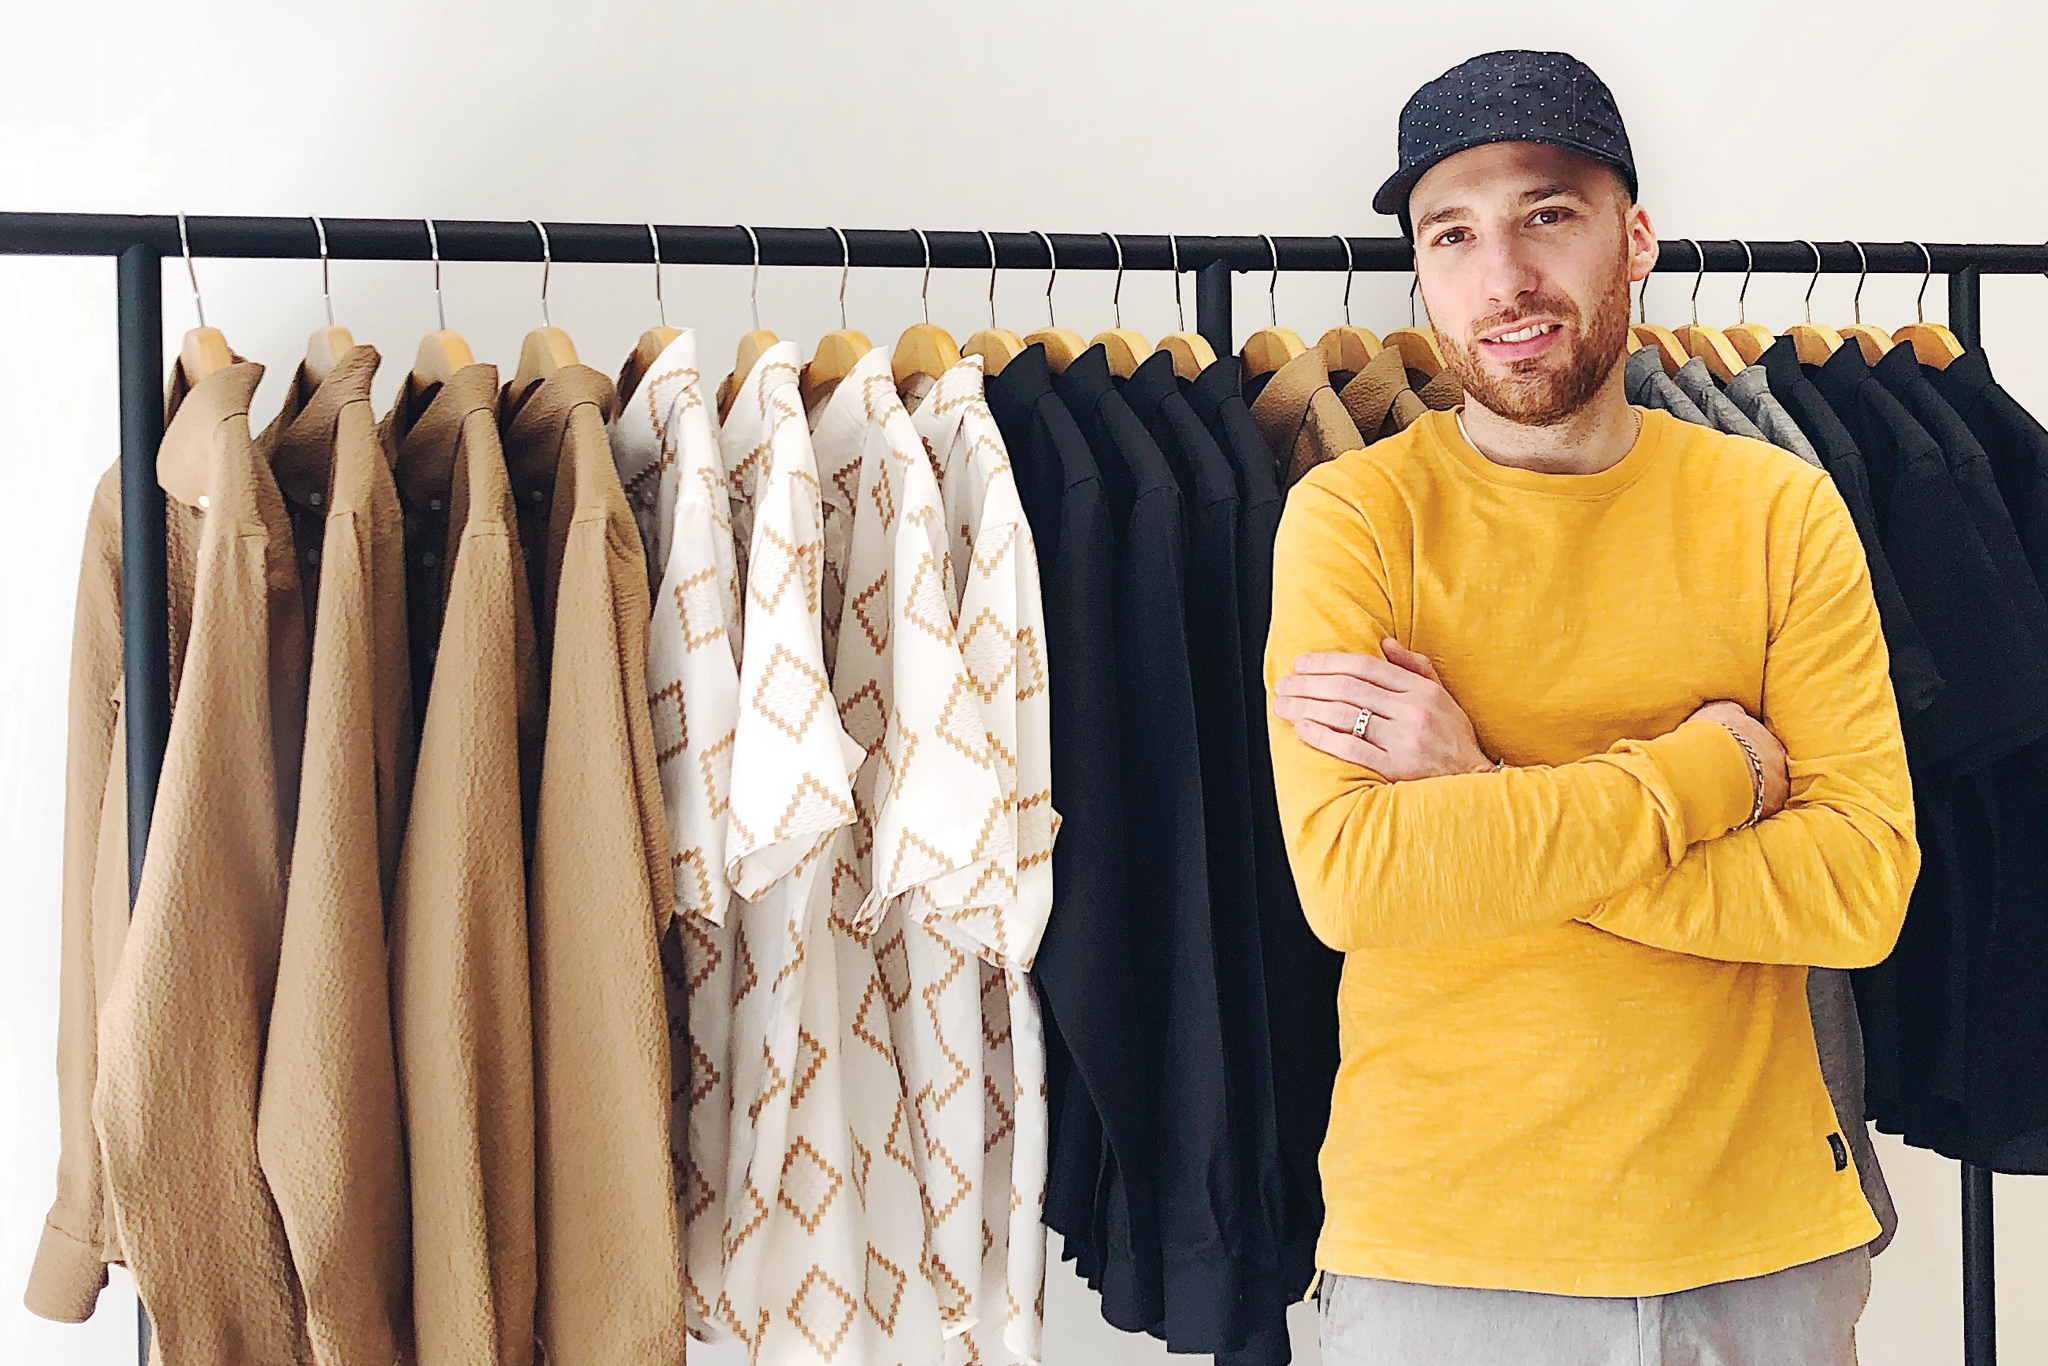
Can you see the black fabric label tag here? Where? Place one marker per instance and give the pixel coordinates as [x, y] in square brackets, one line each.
[1840, 1150]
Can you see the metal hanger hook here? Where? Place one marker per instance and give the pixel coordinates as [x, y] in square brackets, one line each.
[989, 238]
[845, 269]
[1814, 281]
[1350, 269]
[1414, 283]
[1698, 275]
[660, 308]
[185, 245]
[1052, 253]
[924, 293]
[1860, 279]
[1180, 310]
[326, 295]
[1920, 299]
[1116, 292]
[754, 293]
[1643, 300]
[1742, 299]
[547, 264]
[434, 250]
[1273, 285]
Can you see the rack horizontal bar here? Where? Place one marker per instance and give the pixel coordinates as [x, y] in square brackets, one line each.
[402, 239]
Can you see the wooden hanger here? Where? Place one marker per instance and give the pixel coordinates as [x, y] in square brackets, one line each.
[1874, 341]
[1699, 340]
[839, 350]
[1191, 351]
[1269, 348]
[654, 340]
[1062, 346]
[1347, 349]
[1418, 348]
[327, 345]
[1669, 350]
[1932, 343]
[1125, 349]
[755, 344]
[1813, 342]
[997, 346]
[441, 351]
[1749, 339]
[204, 351]
[547, 348]
[924, 349]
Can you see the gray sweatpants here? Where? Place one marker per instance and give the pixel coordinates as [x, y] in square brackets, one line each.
[1801, 1316]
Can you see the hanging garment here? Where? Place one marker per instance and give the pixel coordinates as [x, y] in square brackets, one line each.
[1647, 386]
[1378, 397]
[1302, 418]
[824, 1234]
[460, 974]
[2013, 439]
[1097, 1089]
[1301, 972]
[327, 1123]
[1001, 634]
[182, 1029]
[667, 450]
[1837, 1032]
[78, 1237]
[599, 900]
[1416, 1183]
[1185, 1295]
[1696, 382]
[925, 796]
[1750, 391]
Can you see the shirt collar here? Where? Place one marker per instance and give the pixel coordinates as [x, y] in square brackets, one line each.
[299, 442]
[194, 416]
[1370, 395]
[860, 402]
[639, 436]
[1024, 381]
[424, 428]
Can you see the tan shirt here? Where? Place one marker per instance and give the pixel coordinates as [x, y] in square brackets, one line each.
[600, 898]
[459, 977]
[77, 1239]
[182, 1030]
[327, 1129]
[1301, 418]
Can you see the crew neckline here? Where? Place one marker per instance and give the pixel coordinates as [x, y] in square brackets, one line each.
[1443, 425]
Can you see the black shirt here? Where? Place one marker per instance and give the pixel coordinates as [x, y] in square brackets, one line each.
[2013, 439]
[1189, 1296]
[1209, 496]
[1095, 1077]
[1301, 971]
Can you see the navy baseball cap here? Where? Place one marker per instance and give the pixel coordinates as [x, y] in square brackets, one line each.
[1512, 96]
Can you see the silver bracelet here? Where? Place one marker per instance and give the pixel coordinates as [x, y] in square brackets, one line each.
[1756, 776]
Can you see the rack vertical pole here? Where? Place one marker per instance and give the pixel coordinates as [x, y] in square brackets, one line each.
[1212, 306]
[145, 605]
[1980, 1296]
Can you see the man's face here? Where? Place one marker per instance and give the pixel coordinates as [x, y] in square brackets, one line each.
[1515, 236]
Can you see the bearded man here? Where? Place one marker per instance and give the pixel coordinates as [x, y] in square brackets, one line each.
[1585, 748]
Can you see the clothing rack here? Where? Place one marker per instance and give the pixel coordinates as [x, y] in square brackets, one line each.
[139, 243]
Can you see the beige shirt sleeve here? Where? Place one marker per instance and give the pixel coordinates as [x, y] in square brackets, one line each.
[460, 984]
[181, 1035]
[327, 1129]
[611, 1283]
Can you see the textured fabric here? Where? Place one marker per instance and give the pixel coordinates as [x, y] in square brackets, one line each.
[1801, 1316]
[811, 1055]
[1580, 921]
[1696, 382]
[460, 976]
[1750, 391]
[1301, 417]
[1647, 386]
[78, 1235]
[327, 1128]
[181, 1030]
[599, 899]
[925, 795]
[1378, 397]
[1000, 631]
[693, 681]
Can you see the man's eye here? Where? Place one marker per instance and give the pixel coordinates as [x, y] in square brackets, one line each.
[1549, 215]
[1444, 238]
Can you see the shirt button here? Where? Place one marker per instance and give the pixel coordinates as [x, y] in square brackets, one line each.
[312, 554]
[433, 504]
[316, 499]
[535, 495]
[429, 559]
[204, 502]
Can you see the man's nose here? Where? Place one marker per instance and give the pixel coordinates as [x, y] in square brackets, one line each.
[1508, 272]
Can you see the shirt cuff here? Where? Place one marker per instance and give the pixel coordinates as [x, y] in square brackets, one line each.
[1710, 778]
[65, 1282]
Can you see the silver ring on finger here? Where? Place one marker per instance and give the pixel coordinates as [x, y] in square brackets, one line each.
[1363, 724]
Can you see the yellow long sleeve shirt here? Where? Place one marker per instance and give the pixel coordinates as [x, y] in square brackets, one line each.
[1577, 1055]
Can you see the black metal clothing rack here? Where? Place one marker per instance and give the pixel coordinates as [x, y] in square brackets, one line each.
[140, 242]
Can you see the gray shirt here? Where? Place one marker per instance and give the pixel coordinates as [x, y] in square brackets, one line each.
[1697, 383]
[1647, 386]
[1750, 391]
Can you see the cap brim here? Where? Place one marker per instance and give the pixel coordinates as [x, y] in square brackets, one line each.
[1392, 197]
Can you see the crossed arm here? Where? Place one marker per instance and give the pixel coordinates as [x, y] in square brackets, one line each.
[1640, 840]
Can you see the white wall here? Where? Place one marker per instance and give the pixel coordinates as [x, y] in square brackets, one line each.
[1881, 121]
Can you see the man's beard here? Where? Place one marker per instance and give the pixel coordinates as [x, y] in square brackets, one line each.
[1538, 391]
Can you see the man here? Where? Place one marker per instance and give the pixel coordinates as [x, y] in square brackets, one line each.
[1585, 746]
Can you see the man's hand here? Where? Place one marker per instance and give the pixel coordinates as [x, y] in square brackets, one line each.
[1777, 776]
[1417, 730]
